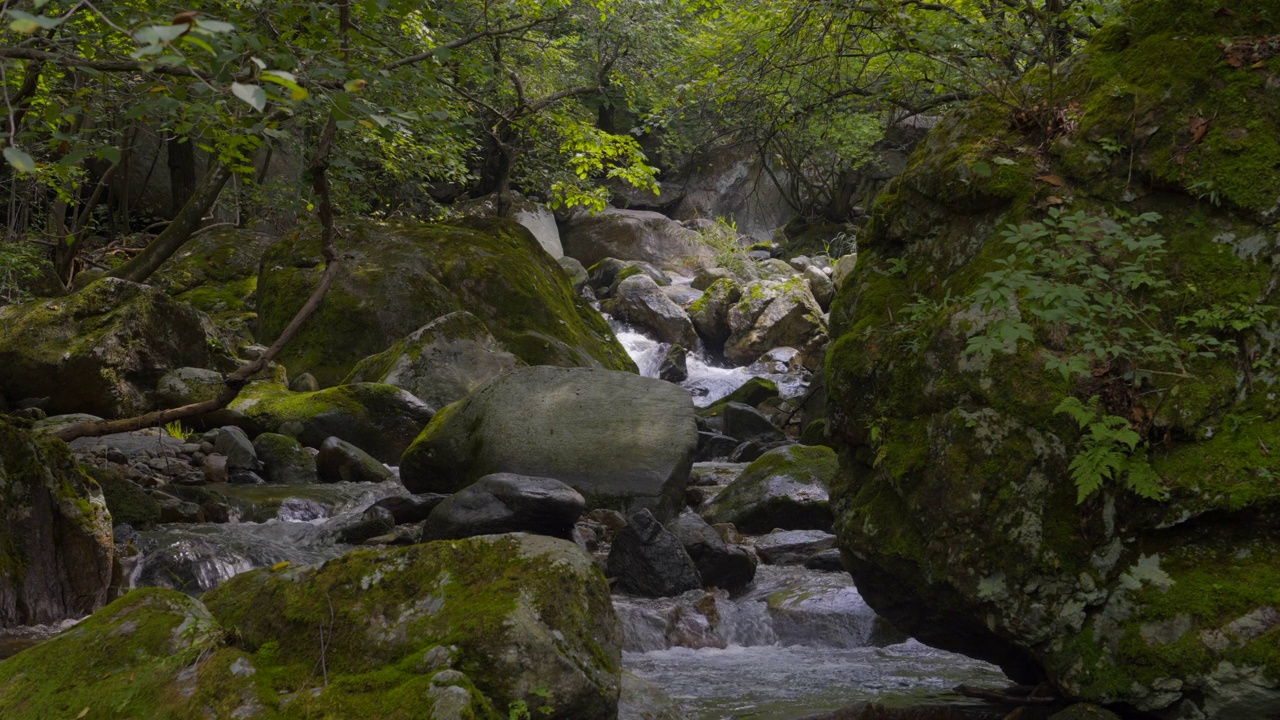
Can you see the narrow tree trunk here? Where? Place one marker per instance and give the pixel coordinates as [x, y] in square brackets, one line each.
[181, 158]
[179, 231]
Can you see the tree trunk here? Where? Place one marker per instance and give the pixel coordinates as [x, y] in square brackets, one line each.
[179, 231]
[181, 158]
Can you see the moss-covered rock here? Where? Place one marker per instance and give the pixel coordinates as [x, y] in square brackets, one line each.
[56, 550]
[518, 614]
[126, 501]
[774, 314]
[784, 488]
[102, 350]
[955, 505]
[440, 362]
[402, 276]
[284, 460]
[380, 419]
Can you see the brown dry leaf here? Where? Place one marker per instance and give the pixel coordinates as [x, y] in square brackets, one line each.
[1053, 180]
[1054, 200]
[1199, 128]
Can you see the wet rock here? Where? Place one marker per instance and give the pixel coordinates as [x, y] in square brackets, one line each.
[674, 368]
[642, 700]
[786, 488]
[411, 508]
[301, 510]
[56, 551]
[340, 461]
[245, 477]
[747, 423]
[503, 503]
[177, 510]
[648, 560]
[620, 440]
[729, 567]
[639, 300]
[374, 521]
[441, 362]
[793, 547]
[284, 460]
[232, 443]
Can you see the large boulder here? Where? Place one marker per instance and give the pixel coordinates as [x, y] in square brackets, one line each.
[56, 549]
[775, 314]
[217, 273]
[401, 276]
[440, 362]
[633, 235]
[103, 349]
[639, 300]
[380, 419]
[623, 441]
[784, 488]
[648, 560]
[957, 503]
[733, 182]
[503, 503]
[464, 629]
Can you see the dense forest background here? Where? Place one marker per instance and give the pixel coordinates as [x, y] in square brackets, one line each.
[131, 125]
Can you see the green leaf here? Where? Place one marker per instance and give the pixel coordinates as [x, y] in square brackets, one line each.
[19, 159]
[215, 26]
[110, 154]
[160, 34]
[254, 95]
[981, 169]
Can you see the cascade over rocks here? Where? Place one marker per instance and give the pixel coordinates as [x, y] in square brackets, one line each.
[56, 550]
[955, 504]
[622, 441]
[103, 349]
[457, 629]
[633, 235]
[639, 300]
[440, 362]
[404, 275]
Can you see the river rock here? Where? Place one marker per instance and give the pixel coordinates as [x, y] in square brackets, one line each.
[284, 460]
[648, 560]
[775, 314]
[640, 301]
[733, 182]
[56, 551]
[502, 503]
[714, 446]
[340, 461]
[83, 352]
[633, 235]
[824, 291]
[380, 419]
[409, 509]
[785, 488]
[710, 313]
[826, 561]
[792, 547]
[620, 440]
[576, 271]
[957, 507]
[373, 522]
[232, 443]
[728, 567]
[479, 624]
[440, 362]
[674, 367]
[126, 501]
[706, 277]
[605, 275]
[405, 274]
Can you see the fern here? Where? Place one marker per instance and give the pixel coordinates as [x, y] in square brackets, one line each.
[1112, 451]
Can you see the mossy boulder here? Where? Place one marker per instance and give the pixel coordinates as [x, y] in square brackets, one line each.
[380, 419]
[773, 314]
[102, 350]
[56, 549]
[633, 235]
[955, 505]
[440, 362]
[284, 460]
[784, 488]
[401, 276]
[127, 502]
[520, 615]
[459, 629]
[625, 442]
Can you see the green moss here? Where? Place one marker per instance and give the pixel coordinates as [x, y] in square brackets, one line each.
[126, 502]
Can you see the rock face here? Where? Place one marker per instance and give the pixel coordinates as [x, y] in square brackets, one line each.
[632, 235]
[455, 629]
[623, 441]
[380, 419]
[956, 507]
[440, 362]
[503, 503]
[733, 183]
[405, 275]
[649, 561]
[56, 550]
[785, 488]
[103, 349]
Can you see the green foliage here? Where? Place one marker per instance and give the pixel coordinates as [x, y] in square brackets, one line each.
[730, 253]
[21, 263]
[1111, 451]
[178, 431]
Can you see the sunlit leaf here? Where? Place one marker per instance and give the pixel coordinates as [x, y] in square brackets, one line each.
[19, 159]
[254, 95]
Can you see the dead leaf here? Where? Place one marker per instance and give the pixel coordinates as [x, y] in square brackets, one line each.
[1053, 180]
[1224, 12]
[1054, 200]
[83, 712]
[1199, 128]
